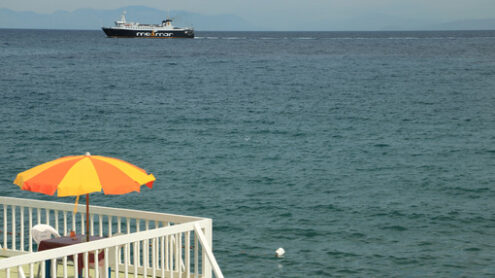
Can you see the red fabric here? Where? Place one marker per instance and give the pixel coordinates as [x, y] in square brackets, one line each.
[66, 241]
[150, 184]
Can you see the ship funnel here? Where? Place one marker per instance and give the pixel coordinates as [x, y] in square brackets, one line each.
[122, 18]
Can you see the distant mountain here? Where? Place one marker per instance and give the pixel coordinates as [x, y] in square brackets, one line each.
[385, 22]
[472, 24]
[88, 19]
[92, 19]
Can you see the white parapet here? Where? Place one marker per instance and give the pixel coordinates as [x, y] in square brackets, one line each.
[148, 243]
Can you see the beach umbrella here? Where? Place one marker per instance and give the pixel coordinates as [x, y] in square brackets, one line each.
[82, 175]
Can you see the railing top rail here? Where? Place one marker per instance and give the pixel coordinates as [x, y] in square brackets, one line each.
[119, 212]
[98, 244]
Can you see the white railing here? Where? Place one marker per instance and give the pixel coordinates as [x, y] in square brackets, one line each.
[149, 244]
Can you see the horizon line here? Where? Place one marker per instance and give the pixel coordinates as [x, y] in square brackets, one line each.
[198, 30]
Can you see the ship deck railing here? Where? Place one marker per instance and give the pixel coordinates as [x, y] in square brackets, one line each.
[136, 243]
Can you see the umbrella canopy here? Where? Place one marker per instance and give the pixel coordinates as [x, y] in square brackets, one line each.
[84, 174]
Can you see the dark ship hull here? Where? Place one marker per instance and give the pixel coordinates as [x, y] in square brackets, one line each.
[158, 34]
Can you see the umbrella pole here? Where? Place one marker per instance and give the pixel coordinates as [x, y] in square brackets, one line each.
[87, 217]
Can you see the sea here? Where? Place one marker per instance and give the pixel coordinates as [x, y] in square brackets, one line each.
[362, 154]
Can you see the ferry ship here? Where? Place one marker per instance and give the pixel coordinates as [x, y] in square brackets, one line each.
[165, 30]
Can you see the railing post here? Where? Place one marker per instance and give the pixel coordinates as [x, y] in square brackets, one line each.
[47, 214]
[29, 228]
[211, 262]
[164, 254]
[74, 216]
[56, 220]
[65, 222]
[5, 226]
[209, 238]
[13, 244]
[22, 227]
[187, 253]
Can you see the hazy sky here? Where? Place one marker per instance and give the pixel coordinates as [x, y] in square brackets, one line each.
[288, 11]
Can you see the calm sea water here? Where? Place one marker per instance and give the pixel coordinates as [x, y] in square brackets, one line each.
[362, 154]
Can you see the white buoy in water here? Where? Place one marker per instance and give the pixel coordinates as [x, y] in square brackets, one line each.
[280, 252]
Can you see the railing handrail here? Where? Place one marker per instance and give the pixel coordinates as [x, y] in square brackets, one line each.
[118, 212]
[96, 245]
